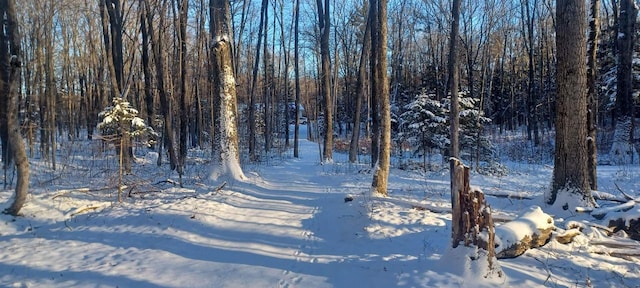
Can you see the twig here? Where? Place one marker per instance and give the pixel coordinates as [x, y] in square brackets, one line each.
[221, 186]
[166, 181]
[81, 190]
[604, 196]
[143, 192]
[546, 267]
[520, 196]
[84, 210]
[625, 194]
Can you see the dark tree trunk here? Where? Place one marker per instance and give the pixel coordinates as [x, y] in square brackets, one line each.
[185, 112]
[254, 84]
[165, 107]
[146, 66]
[592, 92]
[324, 24]
[296, 137]
[360, 92]
[454, 116]
[570, 174]
[374, 103]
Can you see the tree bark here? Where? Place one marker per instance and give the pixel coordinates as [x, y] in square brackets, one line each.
[296, 41]
[470, 214]
[11, 77]
[570, 174]
[624, 111]
[324, 24]
[225, 88]
[360, 92]
[381, 90]
[146, 66]
[454, 117]
[185, 112]
[254, 84]
[592, 93]
[160, 75]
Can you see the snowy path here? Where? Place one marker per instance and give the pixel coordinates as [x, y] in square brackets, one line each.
[270, 231]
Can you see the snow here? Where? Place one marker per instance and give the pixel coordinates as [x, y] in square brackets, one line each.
[286, 225]
[529, 223]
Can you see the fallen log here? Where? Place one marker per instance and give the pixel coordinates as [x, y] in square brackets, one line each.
[599, 213]
[630, 224]
[532, 229]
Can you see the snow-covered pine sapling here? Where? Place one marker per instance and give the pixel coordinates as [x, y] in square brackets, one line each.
[121, 125]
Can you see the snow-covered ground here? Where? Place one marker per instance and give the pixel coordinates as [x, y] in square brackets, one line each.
[288, 225]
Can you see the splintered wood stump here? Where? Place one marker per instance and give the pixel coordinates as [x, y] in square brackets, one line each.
[471, 216]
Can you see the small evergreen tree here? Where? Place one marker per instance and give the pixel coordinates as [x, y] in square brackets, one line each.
[121, 125]
[425, 125]
[473, 143]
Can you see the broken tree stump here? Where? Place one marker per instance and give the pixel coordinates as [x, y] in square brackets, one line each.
[470, 215]
[471, 219]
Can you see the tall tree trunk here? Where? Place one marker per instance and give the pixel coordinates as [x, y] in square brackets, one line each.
[296, 41]
[324, 24]
[254, 83]
[381, 88]
[225, 88]
[570, 176]
[374, 107]
[592, 93]
[165, 106]
[360, 91]
[183, 9]
[111, 16]
[11, 65]
[454, 117]
[146, 66]
[623, 136]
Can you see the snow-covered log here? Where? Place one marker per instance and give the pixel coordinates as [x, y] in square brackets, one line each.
[531, 229]
[599, 213]
[628, 221]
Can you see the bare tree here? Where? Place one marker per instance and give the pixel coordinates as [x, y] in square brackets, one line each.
[624, 120]
[11, 66]
[225, 88]
[381, 92]
[454, 118]
[360, 92]
[165, 107]
[570, 176]
[254, 83]
[324, 24]
[592, 92]
[296, 141]
[183, 8]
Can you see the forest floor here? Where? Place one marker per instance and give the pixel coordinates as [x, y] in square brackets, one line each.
[287, 225]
